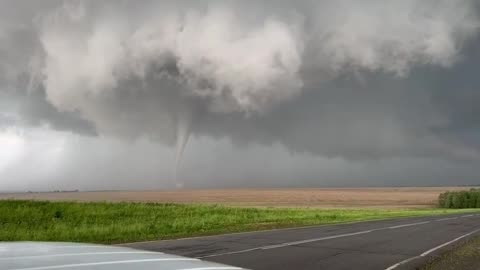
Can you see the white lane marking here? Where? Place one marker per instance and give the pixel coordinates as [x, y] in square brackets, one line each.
[281, 245]
[229, 253]
[78, 254]
[401, 263]
[104, 263]
[214, 268]
[408, 225]
[443, 219]
[313, 240]
[432, 250]
[448, 243]
[467, 216]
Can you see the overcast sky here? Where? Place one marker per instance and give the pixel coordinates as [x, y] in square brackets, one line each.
[202, 94]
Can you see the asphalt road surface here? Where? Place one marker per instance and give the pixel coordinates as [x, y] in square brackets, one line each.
[393, 244]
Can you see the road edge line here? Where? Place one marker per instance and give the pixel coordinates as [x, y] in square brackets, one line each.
[426, 253]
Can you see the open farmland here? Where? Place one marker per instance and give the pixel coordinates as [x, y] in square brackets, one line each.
[405, 197]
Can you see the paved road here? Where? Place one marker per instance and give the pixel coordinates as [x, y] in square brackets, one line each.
[393, 244]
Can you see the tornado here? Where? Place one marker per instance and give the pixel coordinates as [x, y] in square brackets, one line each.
[183, 134]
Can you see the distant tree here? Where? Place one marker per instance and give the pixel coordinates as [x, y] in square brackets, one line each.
[442, 200]
[449, 200]
[477, 204]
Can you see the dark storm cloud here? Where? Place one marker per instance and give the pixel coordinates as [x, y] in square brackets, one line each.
[23, 109]
[19, 52]
[359, 81]
[456, 94]
[34, 110]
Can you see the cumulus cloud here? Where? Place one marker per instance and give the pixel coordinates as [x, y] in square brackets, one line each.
[392, 37]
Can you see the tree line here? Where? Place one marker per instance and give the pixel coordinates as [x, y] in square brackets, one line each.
[460, 199]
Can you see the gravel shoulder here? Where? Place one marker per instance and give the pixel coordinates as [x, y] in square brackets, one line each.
[465, 257]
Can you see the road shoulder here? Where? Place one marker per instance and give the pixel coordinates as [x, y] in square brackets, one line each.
[464, 255]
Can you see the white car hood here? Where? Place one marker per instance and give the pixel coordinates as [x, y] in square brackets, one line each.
[53, 255]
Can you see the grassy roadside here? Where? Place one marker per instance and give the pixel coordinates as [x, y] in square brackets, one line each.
[466, 257]
[129, 222]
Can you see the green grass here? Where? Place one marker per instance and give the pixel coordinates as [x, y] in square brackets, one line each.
[128, 222]
[464, 257]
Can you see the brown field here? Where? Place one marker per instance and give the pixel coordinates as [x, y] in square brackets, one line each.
[405, 197]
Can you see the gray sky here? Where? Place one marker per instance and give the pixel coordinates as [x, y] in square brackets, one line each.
[118, 94]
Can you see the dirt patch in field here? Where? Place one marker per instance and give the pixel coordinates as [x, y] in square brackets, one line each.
[320, 197]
